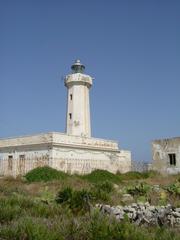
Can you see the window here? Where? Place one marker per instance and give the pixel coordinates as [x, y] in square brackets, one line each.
[70, 115]
[10, 162]
[172, 159]
[71, 96]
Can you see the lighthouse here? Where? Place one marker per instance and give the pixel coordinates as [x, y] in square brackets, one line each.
[75, 151]
[78, 84]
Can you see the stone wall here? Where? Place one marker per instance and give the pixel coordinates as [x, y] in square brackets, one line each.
[144, 214]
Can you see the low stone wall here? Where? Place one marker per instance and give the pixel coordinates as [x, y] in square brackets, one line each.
[144, 214]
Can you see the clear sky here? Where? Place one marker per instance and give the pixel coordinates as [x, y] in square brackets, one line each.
[131, 48]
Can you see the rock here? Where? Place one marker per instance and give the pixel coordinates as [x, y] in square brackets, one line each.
[151, 208]
[130, 215]
[106, 209]
[147, 204]
[131, 210]
[148, 214]
[134, 205]
[140, 204]
[172, 221]
[177, 222]
[177, 209]
[126, 209]
[127, 197]
[156, 188]
[176, 214]
[120, 216]
[115, 211]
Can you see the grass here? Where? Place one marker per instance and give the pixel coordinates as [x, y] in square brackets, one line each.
[138, 175]
[54, 205]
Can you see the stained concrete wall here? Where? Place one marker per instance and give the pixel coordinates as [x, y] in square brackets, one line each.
[84, 161]
[161, 159]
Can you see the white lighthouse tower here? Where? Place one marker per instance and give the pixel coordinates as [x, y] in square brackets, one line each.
[78, 108]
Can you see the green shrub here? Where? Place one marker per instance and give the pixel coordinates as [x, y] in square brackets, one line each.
[80, 201]
[105, 186]
[64, 196]
[139, 190]
[75, 200]
[174, 188]
[100, 195]
[44, 174]
[98, 176]
[100, 191]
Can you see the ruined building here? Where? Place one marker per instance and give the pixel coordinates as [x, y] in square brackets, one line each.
[166, 155]
[74, 151]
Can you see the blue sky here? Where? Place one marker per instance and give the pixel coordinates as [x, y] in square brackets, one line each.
[131, 48]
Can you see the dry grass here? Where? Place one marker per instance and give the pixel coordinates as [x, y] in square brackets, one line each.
[162, 180]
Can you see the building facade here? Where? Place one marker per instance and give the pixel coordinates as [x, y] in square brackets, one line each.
[74, 151]
[166, 155]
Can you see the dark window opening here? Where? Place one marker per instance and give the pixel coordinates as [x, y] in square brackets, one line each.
[172, 159]
[10, 163]
[70, 115]
[71, 96]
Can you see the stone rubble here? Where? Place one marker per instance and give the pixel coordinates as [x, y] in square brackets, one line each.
[144, 214]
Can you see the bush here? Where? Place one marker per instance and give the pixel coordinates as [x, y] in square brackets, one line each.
[139, 190]
[100, 191]
[105, 186]
[44, 174]
[64, 196]
[174, 188]
[78, 201]
[98, 176]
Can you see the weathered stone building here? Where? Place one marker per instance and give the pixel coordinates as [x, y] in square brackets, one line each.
[73, 152]
[166, 155]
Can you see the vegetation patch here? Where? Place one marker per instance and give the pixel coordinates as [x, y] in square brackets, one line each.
[45, 174]
[82, 200]
[174, 188]
[137, 175]
[31, 210]
[98, 176]
[77, 201]
[139, 190]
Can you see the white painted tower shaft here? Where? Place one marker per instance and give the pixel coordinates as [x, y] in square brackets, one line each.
[78, 121]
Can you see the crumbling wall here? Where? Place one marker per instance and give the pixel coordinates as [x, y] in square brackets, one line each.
[160, 153]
